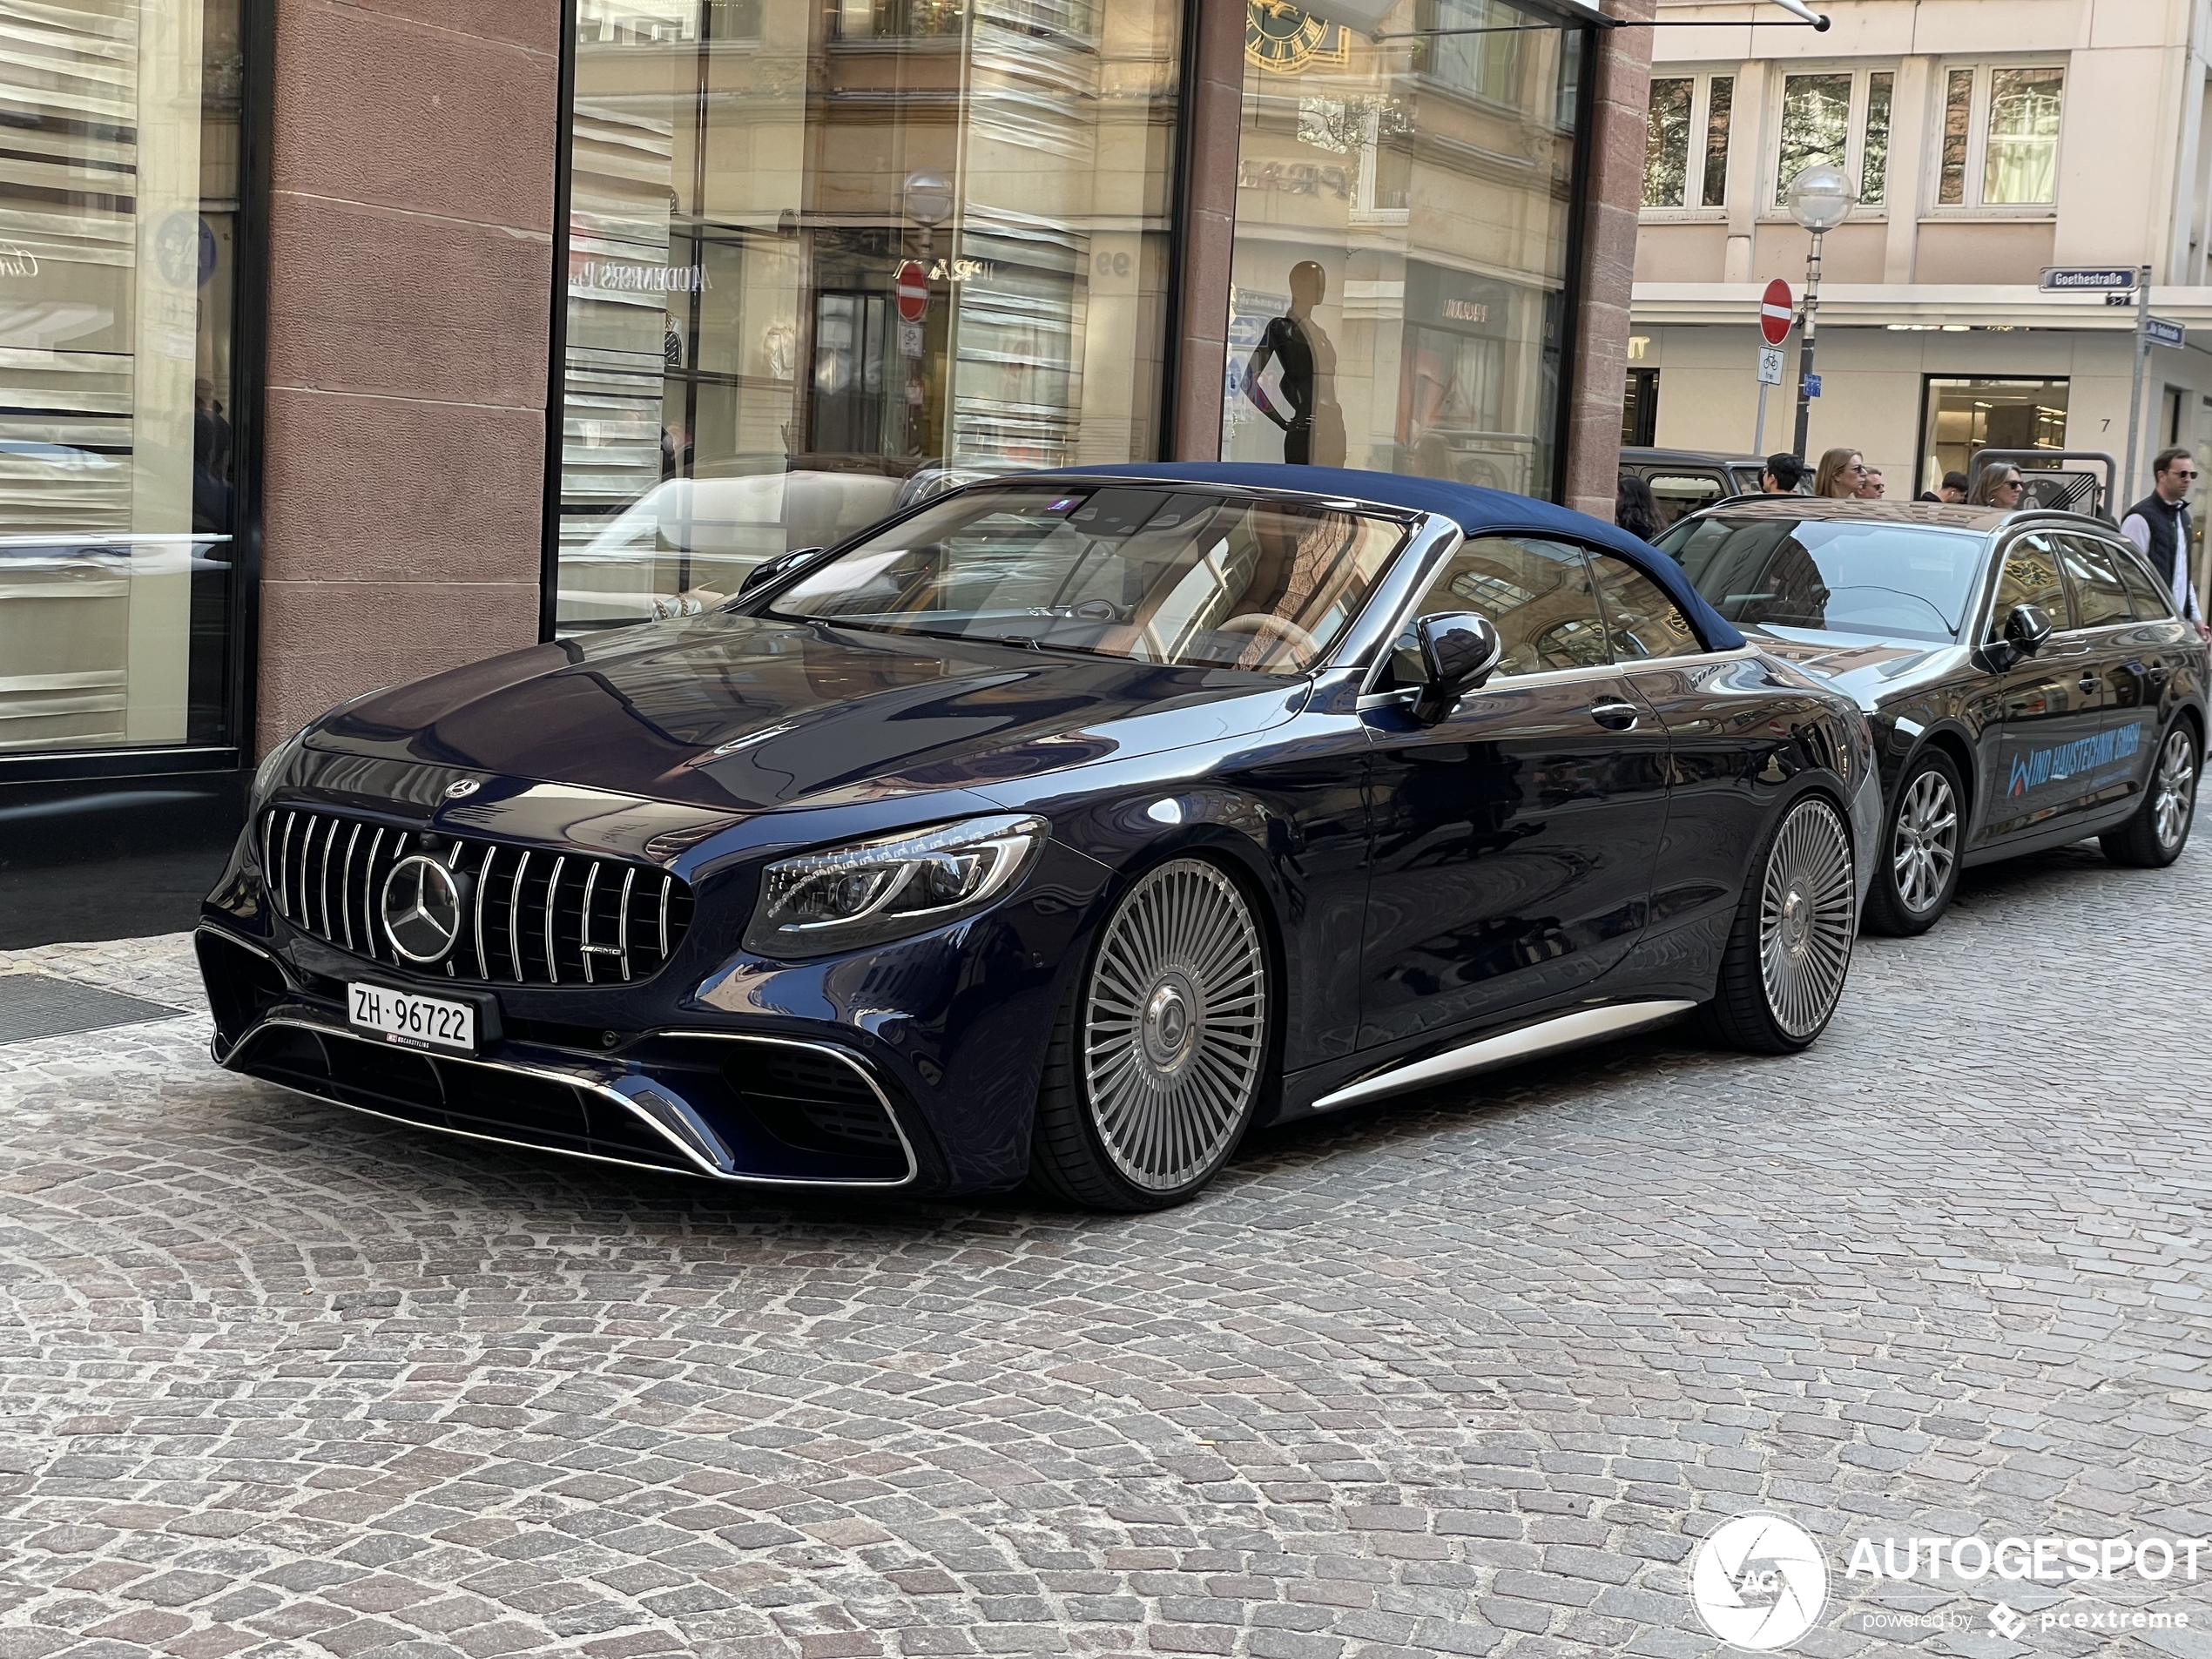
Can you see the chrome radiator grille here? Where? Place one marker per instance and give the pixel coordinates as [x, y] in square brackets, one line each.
[530, 916]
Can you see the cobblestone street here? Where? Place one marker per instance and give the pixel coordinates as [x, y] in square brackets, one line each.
[1470, 1374]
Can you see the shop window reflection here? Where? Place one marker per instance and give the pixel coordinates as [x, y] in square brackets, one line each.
[750, 179]
[1402, 210]
[117, 453]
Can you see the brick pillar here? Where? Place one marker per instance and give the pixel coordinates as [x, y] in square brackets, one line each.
[410, 281]
[1215, 101]
[1600, 368]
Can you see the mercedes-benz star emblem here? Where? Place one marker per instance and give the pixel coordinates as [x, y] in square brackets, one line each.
[464, 786]
[422, 907]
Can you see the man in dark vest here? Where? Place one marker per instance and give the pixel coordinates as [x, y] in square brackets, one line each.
[2159, 525]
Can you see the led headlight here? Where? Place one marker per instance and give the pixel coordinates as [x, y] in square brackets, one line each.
[867, 892]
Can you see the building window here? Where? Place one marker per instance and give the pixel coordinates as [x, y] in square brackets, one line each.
[1719, 103]
[1666, 144]
[1874, 154]
[1676, 174]
[1837, 119]
[1399, 296]
[2023, 155]
[2017, 111]
[1815, 126]
[118, 451]
[827, 259]
[1639, 409]
[1966, 416]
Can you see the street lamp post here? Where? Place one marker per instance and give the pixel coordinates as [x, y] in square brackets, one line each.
[1820, 198]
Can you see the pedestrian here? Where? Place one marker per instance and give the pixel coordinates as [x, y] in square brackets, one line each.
[1636, 510]
[1953, 488]
[1998, 487]
[1869, 487]
[1841, 472]
[1784, 473]
[2159, 525]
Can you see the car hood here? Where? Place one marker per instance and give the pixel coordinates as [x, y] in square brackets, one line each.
[749, 714]
[1868, 666]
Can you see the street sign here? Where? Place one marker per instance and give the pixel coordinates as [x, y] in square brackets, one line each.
[1812, 386]
[2160, 332]
[2087, 278]
[912, 287]
[909, 338]
[1777, 310]
[1770, 365]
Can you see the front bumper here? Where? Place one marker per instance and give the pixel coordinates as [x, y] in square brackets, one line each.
[750, 1108]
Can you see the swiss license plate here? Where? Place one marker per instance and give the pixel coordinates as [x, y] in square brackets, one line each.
[415, 1022]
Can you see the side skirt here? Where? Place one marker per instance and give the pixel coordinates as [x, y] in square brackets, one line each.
[1561, 1031]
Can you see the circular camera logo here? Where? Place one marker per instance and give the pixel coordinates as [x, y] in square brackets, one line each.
[1759, 1582]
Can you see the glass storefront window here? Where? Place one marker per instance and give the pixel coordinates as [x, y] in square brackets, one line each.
[827, 259]
[1400, 267]
[119, 232]
[1966, 416]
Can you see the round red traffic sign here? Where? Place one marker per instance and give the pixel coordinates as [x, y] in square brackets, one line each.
[1777, 310]
[912, 287]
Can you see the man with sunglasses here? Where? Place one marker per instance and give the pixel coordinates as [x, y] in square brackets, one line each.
[2159, 525]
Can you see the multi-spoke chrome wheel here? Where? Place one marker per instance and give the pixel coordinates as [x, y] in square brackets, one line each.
[1806, 917]
[1924, 847]
[1173, 1025]
[2173, 789]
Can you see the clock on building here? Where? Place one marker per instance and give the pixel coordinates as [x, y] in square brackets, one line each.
[1280, 36]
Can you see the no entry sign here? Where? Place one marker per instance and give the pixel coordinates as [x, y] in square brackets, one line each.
[1777, 310]
[911, 285]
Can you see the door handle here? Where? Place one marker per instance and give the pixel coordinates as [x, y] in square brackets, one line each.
[2072, 648]
[1613, 715]
[2089, 682]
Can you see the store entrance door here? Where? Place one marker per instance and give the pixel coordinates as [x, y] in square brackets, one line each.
[849, 351]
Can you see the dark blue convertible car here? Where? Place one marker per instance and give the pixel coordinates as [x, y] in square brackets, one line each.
[1058, 830]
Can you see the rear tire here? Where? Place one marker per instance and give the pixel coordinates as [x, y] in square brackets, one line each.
[1916, 876]
[1790, 951]
[1160, 1049]
[2154, 838]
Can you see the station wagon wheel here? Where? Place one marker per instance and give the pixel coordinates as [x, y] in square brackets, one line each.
[1155, 1071]
[1783, 973]
[1917, 872]
[2159, 828]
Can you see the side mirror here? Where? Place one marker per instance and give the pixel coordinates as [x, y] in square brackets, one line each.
[2026, 629]
[1459, 649]
[768, 570]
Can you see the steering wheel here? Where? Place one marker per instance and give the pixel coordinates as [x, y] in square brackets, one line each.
[1263, 625]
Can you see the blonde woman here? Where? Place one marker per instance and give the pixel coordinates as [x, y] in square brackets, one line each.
[1998, 487]
[1841, 472]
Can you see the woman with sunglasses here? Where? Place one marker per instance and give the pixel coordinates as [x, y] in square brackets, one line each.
[1998, 487]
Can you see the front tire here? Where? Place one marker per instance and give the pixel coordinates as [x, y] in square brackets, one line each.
[1789, 950]
[1160, 1051]
[1917, 876]
[2154, 838]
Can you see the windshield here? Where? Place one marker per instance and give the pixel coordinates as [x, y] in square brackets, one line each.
[1899, 581]
[1154, 575]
